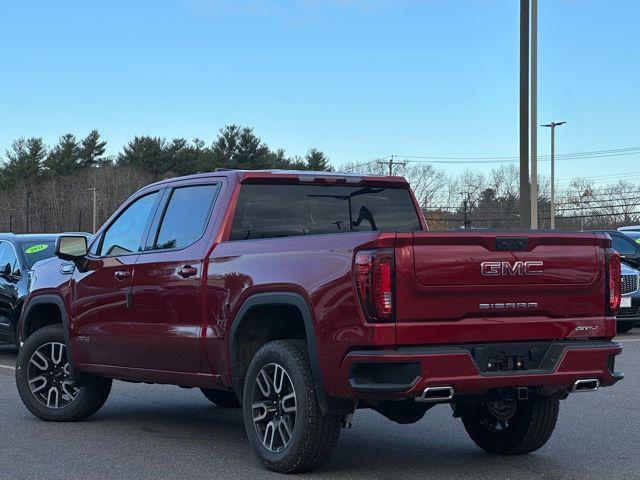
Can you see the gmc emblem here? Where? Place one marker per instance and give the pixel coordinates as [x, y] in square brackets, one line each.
[492, 269]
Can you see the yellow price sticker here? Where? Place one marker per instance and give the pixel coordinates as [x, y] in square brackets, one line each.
[36, 248]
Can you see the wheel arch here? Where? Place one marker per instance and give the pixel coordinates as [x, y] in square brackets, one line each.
[280, 299]
[36, 304]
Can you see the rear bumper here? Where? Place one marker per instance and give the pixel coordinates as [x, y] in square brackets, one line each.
[406, 372]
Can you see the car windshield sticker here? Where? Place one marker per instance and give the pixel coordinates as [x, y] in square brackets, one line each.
[637, 240]
[36, 248]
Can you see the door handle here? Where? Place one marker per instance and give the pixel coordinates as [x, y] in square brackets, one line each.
[122, 274]
[187, 271]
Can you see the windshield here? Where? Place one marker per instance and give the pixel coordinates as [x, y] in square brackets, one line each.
[36, 251]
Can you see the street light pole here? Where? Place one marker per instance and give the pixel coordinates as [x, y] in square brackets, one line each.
[553, 126]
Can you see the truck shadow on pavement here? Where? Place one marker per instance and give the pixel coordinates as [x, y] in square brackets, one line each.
[168, 422]
[374, 448]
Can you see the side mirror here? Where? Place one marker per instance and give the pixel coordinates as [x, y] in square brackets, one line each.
[73, 248]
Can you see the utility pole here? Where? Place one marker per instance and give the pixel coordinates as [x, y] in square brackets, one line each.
[27, 222]
[534, 114]
[525, 194]
[94, 189]
[553, 126]
[390, 164]
[466, 204]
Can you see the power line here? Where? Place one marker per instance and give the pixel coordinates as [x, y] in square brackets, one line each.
[515, 219]
[481, 162]
[569, 206]
[591, 153]
[391, 163]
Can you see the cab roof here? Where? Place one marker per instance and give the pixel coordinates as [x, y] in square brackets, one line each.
[293, 176]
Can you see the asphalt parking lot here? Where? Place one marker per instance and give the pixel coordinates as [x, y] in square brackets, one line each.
[164, 432]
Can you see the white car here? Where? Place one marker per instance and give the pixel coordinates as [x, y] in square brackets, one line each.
[630, 228]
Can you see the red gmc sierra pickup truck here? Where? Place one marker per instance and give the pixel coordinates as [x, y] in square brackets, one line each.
[303, 296]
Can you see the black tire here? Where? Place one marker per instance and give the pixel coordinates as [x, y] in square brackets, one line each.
[527, 430]
[88, 399]
[221, 398]
[313, 436]
[624, 327]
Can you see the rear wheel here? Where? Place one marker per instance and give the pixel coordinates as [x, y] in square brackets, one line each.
[44, 385]
[221, 398]
[282, 416]
[511, 428]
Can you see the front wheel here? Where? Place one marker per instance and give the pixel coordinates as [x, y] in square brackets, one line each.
[511, 428]
[43, 381]
[282, 416]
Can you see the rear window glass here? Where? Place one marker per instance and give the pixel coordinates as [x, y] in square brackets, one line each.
[36, 251]
[267, 211]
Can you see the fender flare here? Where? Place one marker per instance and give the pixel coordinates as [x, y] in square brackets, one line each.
[51, 299]
[328, 405]
[39, 300]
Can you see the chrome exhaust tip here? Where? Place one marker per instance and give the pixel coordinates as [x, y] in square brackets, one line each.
[436, 395]
[586, 385]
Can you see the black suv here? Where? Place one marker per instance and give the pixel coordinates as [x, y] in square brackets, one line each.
[18, 255]
[626, 246]
[629, 249]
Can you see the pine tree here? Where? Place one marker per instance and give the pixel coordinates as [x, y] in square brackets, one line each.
[317, 161]
[64, 158]
[24, 161]
[239, 147]
[150, 154]
[92, 150]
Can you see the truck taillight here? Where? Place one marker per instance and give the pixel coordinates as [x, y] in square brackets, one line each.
[374, 283]
[615, 279]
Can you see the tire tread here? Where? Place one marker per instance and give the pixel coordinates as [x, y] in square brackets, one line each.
[322, 432]
[88, 402]
[538, 423]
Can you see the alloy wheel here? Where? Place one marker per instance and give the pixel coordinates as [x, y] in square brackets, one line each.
[498, 416]
[274, 407]
[48, 376]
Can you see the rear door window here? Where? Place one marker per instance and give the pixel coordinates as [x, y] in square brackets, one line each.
[267, 211]
[186, 216]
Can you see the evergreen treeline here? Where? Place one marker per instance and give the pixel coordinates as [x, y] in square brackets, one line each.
[46, 188]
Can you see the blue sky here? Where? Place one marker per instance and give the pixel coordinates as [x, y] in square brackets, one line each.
[358, 79]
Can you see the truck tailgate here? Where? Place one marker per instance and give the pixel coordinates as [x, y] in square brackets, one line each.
[499, 286]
